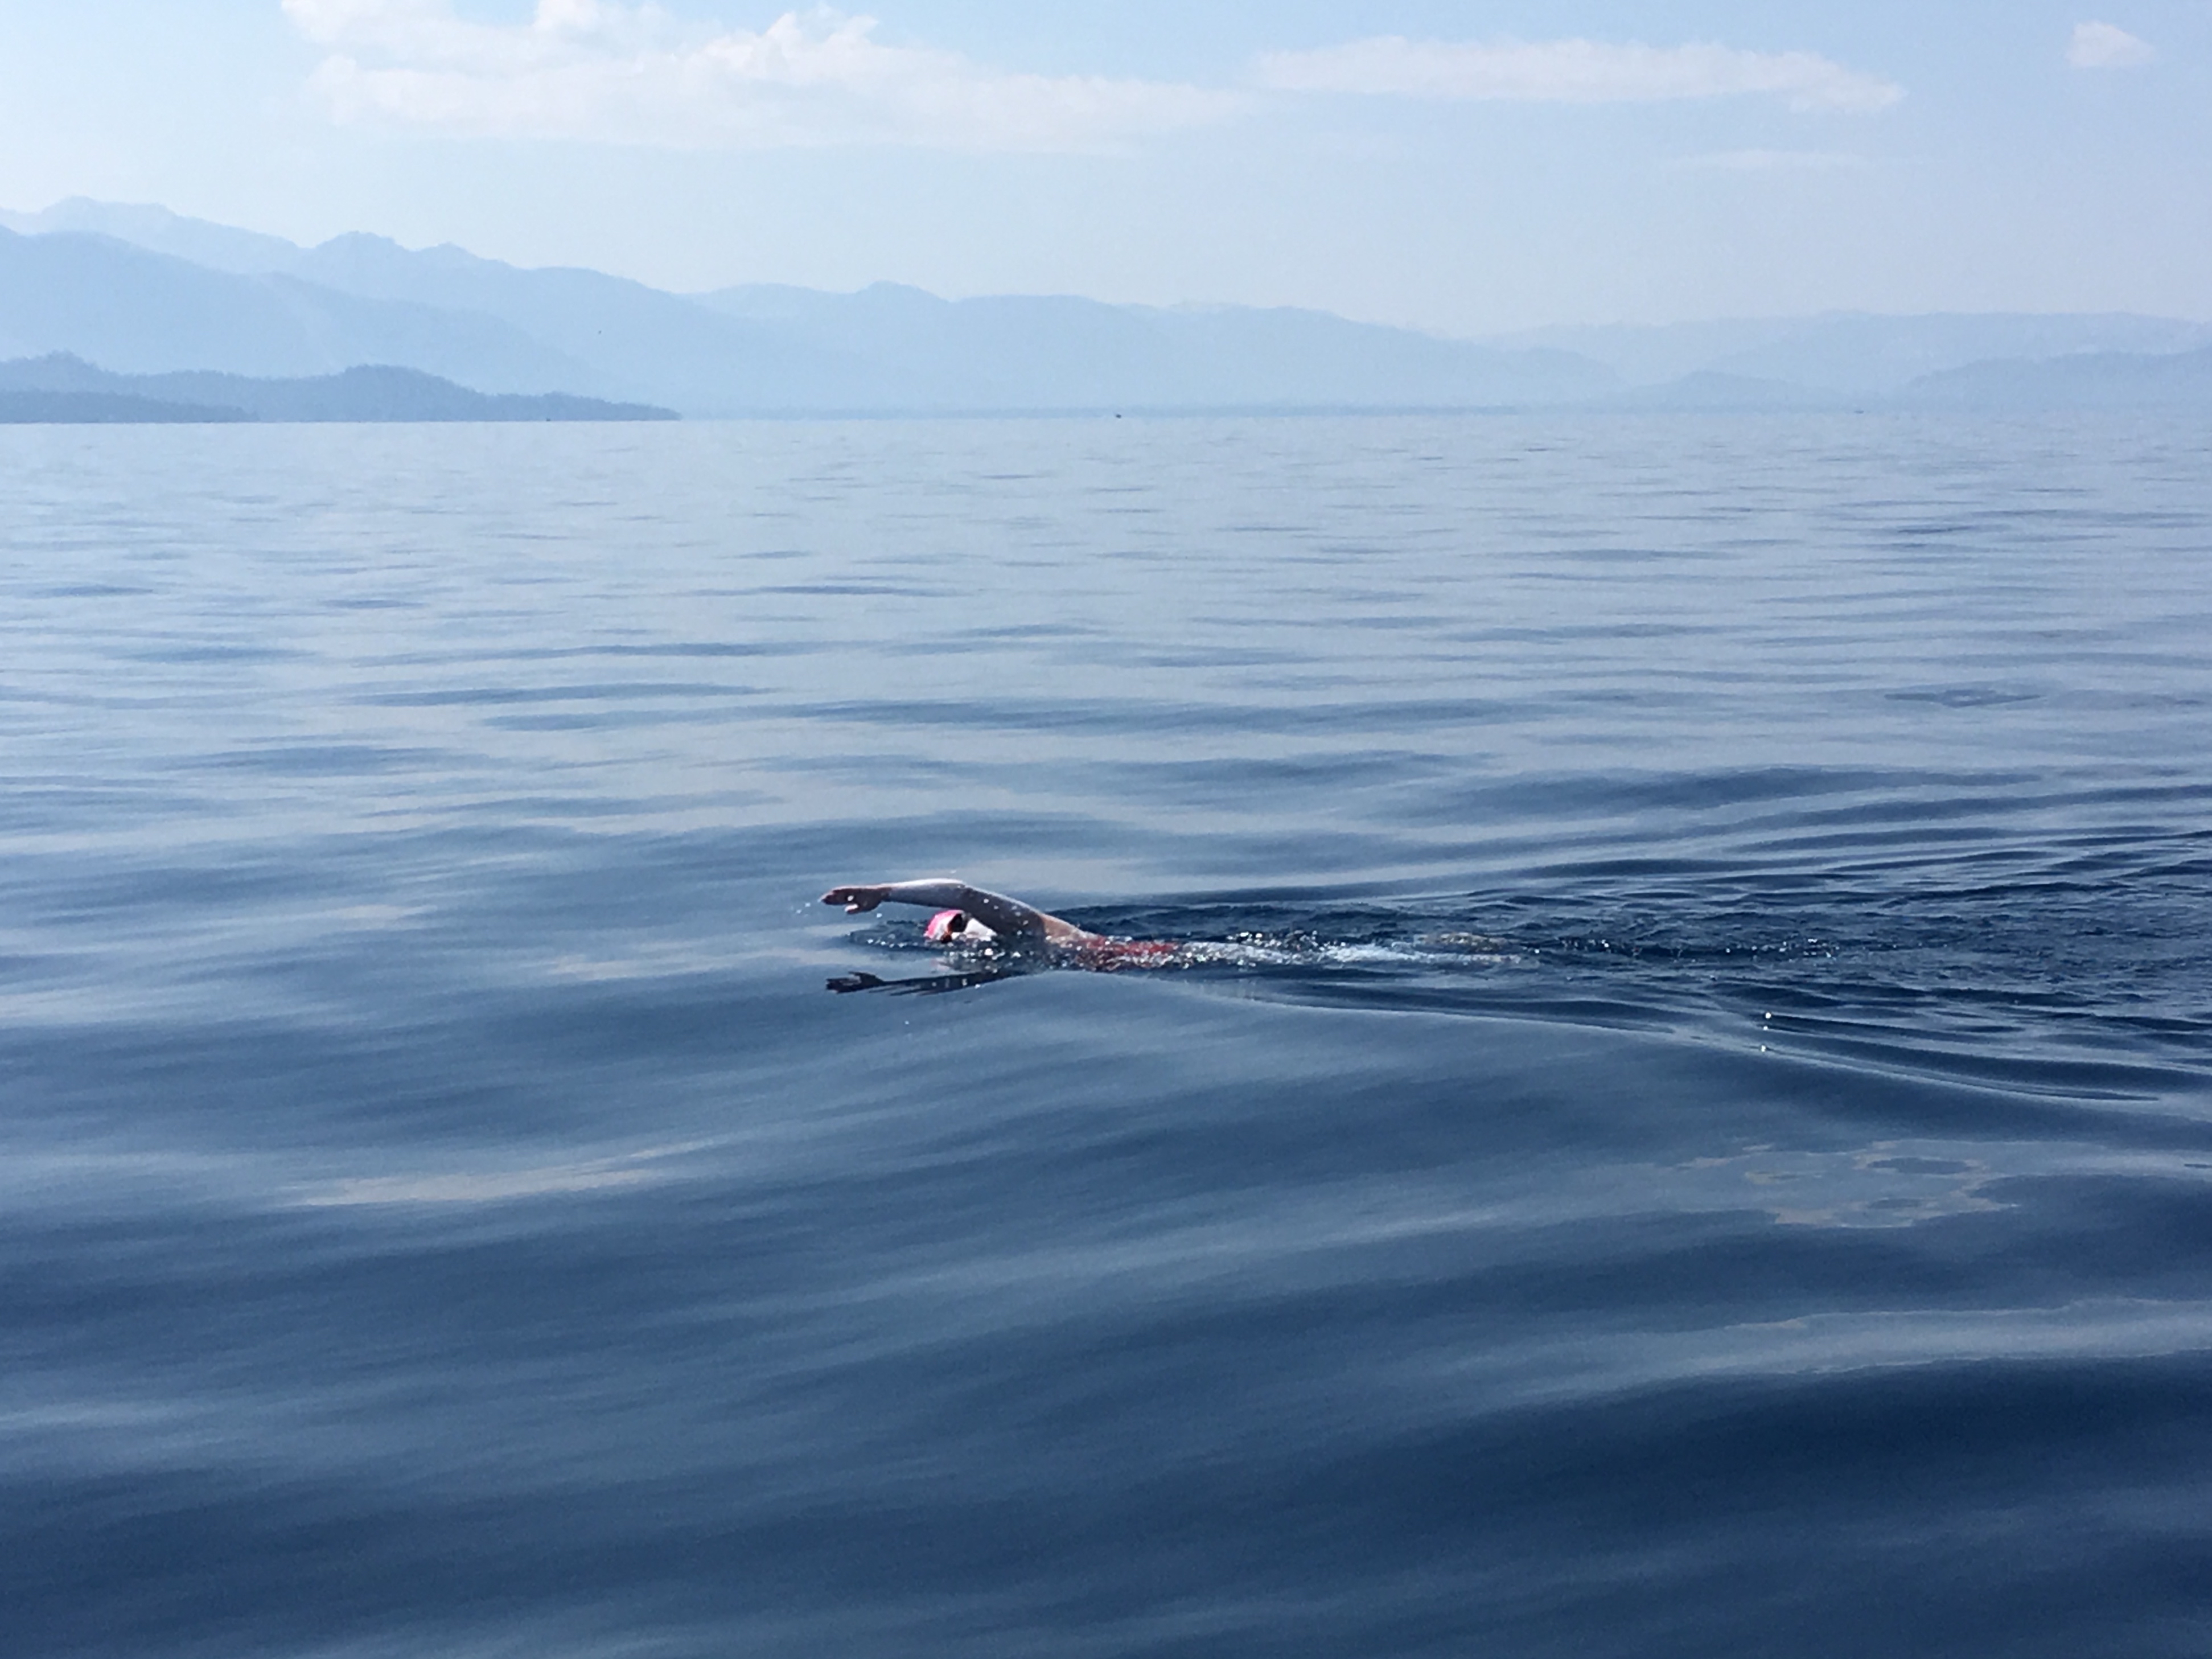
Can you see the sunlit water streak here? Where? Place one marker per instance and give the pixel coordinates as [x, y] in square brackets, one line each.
[1679, 1121]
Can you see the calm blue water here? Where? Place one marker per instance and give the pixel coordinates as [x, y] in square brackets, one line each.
[1699, 1140]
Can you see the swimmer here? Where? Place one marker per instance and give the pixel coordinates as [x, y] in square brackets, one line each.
[970, 918]
[991, 937]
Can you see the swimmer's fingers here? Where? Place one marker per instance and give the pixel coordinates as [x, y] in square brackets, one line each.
[856, 900]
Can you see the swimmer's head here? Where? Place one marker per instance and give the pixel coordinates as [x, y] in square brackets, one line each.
[957, 927]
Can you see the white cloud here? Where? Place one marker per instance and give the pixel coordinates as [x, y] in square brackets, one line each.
[2101, 45]
[592, 69]
[1573, 72]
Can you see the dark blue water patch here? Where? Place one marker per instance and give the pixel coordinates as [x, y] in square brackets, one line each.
[1814, 799]
[40, 807]
[1427, 1547]
[1965, 696]
[1033, 631]
[1122, 715]
[604, 720]
[613, 691]
[326, 760]
[850, 590]
[680, 650]
[210, 653]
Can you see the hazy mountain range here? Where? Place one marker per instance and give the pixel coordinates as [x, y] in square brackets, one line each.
[61, 388]
[139, 290]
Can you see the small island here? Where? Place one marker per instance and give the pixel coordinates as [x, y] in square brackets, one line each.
[61, 388]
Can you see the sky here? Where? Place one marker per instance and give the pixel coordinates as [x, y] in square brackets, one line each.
[1468, 168]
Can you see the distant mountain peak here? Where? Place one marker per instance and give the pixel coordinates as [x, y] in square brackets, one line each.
[219, 247]
[364, 243]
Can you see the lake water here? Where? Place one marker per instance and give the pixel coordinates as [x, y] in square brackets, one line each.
[1692, 1134]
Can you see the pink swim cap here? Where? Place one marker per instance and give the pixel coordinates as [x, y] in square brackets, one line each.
[958, 927]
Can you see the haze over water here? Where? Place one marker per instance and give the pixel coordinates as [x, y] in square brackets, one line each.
[1697, 1137]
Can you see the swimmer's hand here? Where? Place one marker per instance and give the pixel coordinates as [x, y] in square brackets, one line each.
[857, 901]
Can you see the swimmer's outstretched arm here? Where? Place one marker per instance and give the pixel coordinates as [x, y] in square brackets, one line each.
[1010, 919]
